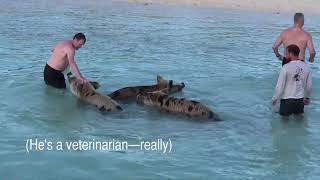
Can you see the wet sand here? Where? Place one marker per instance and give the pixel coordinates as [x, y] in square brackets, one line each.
[306, 6]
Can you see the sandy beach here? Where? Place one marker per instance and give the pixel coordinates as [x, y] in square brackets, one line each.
[290, 6]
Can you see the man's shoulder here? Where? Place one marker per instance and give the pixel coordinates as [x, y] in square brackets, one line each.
[285, 67]
[308, 35]
[287, 30]
[67, 46]
[284, 32]
[304, 64]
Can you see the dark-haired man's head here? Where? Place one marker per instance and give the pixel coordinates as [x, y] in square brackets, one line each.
[79, 40]
[299, 19]
[292, 52]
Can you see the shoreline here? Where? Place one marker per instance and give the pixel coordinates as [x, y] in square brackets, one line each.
[278, 6]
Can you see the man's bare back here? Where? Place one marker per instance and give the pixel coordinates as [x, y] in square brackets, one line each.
[59, 57]
[63, 56]
[296, 35]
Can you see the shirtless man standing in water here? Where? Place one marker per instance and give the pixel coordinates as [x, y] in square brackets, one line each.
[295, 35]
[62, 57]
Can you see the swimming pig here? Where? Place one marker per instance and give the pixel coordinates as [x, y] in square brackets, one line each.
[87, 93]
[132, 92]
[184, 106]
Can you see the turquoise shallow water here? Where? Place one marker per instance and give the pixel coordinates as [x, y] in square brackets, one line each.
[224, 58]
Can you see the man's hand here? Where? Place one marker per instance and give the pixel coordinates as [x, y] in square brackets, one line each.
[280, 57]
[274, 102]
[276, 46]
[311, 60]
[306, 101]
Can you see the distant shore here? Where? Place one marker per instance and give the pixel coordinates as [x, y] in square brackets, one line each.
[290, 6]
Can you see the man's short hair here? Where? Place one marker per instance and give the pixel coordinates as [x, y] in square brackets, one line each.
[294, 49]
[80, 36]
[298, 17]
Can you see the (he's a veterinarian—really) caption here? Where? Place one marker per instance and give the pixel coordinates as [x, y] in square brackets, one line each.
[164, 146]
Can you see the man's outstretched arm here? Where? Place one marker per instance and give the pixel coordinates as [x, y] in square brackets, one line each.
[311, 50]
[276, 46]
[73, 65]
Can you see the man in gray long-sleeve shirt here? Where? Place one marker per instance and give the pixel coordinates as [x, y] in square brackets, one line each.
[295, 77]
